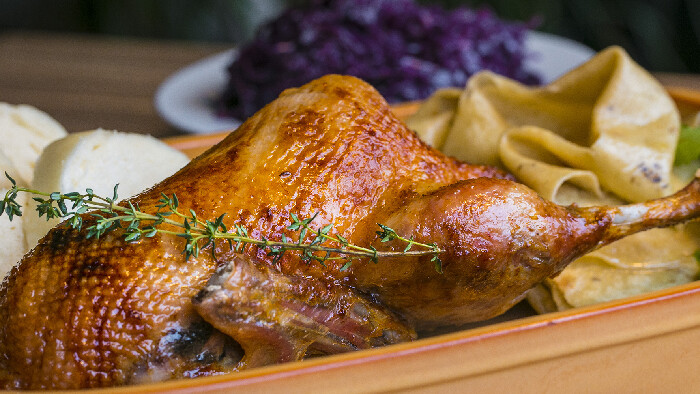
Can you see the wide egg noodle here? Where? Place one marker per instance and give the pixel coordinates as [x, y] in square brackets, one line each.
[643, 261]
[610, 107]
[434, 116]
[604, 133]
[531, 151]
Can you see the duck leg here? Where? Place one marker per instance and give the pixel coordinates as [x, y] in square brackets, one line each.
[663, 212]
[278, 318]
[500, 239]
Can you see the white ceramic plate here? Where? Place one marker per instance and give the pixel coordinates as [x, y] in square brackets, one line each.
[184, 99]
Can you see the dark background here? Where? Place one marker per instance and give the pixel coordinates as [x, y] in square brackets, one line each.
[662, 35]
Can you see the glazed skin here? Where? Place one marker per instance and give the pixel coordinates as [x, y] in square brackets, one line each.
[88, 313]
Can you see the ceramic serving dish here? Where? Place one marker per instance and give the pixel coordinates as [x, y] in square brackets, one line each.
[647, 343]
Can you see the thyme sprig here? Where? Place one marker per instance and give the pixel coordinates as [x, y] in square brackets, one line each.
[200, 234]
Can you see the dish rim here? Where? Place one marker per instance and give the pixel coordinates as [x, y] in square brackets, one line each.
[520, 331]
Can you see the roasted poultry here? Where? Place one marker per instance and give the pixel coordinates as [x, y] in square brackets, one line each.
[87, 313]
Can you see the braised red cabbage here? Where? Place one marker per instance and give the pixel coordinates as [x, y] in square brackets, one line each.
[405, 50]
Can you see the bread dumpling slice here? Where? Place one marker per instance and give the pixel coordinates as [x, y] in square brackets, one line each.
[12, 242]
[98, 160]
[25, 131]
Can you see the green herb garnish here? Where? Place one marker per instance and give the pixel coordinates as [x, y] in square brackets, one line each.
[688, 148]
[200, 234]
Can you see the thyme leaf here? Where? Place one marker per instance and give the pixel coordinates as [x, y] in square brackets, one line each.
[200, 234]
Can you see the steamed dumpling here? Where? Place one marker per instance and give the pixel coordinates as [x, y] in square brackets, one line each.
[25, 131]
[12, 243]
[98, 160]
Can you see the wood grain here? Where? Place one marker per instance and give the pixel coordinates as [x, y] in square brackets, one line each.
[86, 82]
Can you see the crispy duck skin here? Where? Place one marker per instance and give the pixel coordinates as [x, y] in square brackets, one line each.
[81, 313]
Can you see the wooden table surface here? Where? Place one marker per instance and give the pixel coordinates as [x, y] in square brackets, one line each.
[86, 82]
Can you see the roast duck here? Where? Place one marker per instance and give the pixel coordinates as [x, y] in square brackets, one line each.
[79, 313]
